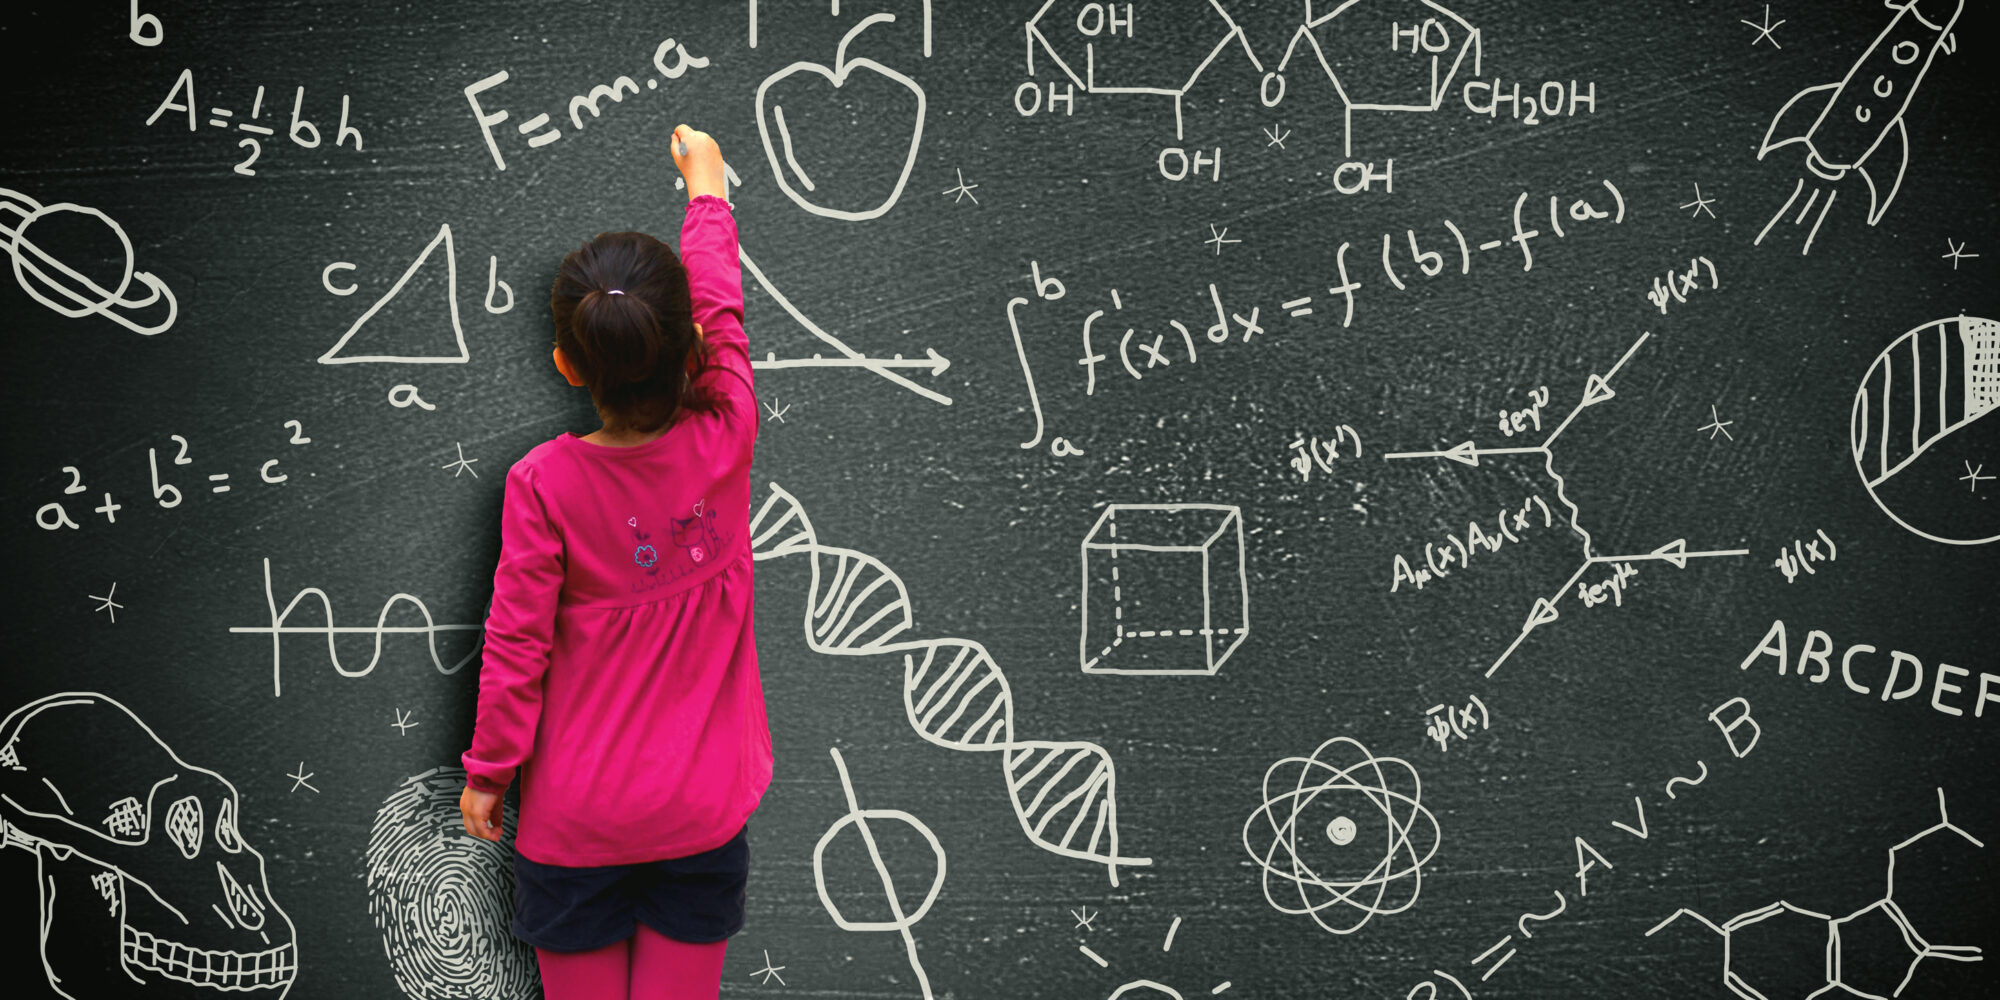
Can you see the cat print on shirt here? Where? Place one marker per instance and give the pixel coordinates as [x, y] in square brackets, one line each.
[695, 538]
[696, 535]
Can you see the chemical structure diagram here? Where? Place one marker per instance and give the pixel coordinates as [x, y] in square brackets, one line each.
[1375, 56]
[1134, 70]
[1597, 389]
[1883, 918]
[1422, 81]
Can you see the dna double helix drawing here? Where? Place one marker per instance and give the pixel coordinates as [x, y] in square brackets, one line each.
[1064, 792]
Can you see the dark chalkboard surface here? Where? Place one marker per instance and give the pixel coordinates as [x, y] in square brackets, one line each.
[1382, 499]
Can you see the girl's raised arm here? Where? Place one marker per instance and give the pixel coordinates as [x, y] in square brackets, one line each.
[708, 242]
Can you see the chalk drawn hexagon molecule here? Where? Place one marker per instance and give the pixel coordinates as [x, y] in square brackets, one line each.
[1101, 54]
[442, 900]
[1427, 45]
[1841, 972]
[1323, 826]
[1930, 387]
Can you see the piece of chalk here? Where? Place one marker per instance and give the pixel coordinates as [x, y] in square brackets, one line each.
[683, 148]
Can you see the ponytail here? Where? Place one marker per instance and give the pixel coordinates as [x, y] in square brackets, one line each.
[628, 338]
[624, 319]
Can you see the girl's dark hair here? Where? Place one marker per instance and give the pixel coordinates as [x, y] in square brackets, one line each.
[636, 351]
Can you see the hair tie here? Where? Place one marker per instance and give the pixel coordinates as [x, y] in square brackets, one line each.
[614, 291]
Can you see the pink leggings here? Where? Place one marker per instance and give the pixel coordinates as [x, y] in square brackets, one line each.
[646, 966]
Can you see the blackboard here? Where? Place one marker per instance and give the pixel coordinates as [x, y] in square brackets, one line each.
[1377, 499]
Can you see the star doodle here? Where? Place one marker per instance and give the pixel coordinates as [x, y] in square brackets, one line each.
[1276, 139]
[300, 778]
[464, 464]
[1957, 253]
[1217, 238]
[1764, 30]
[1083, 918]
[109, 604]
[1973, 475]
[769, 971]
[1700, 204]
[777, 412]
[1717, 425]
[402, 723]
[963, 190]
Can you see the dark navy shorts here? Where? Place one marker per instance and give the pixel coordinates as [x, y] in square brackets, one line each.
[697, 899]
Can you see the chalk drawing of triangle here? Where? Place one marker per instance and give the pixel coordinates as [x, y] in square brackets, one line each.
[333, 355]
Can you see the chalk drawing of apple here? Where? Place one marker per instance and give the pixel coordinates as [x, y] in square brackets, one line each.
[837, 75]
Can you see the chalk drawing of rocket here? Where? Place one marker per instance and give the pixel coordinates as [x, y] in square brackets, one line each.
[1856, 123]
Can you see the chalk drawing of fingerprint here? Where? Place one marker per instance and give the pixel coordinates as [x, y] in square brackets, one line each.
[1064, 792]
[443, 900]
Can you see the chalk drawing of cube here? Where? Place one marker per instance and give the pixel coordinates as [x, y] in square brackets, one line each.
[1164, 589]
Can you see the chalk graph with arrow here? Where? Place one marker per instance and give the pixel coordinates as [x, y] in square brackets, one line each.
[890, 368]
[1596, 389]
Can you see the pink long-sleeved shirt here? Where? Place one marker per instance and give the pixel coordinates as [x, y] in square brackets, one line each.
[620, 669]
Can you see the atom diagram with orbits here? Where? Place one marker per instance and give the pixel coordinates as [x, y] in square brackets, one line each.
[1342, 829]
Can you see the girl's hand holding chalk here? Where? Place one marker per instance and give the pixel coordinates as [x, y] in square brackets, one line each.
[699, 160]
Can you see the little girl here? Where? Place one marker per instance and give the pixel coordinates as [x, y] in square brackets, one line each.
[620, 670]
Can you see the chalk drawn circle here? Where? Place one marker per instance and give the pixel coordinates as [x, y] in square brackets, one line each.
[442, 900]
[24, 248]
[859, 819]
[1343, 777]
[1931, 389]
[1341, 830]
[1897, 53]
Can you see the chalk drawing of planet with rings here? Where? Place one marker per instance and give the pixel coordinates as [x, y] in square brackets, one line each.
[1923, 435]
[1342, 836]
[78, 262]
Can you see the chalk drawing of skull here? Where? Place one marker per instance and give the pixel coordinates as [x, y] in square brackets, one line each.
[143, 873]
